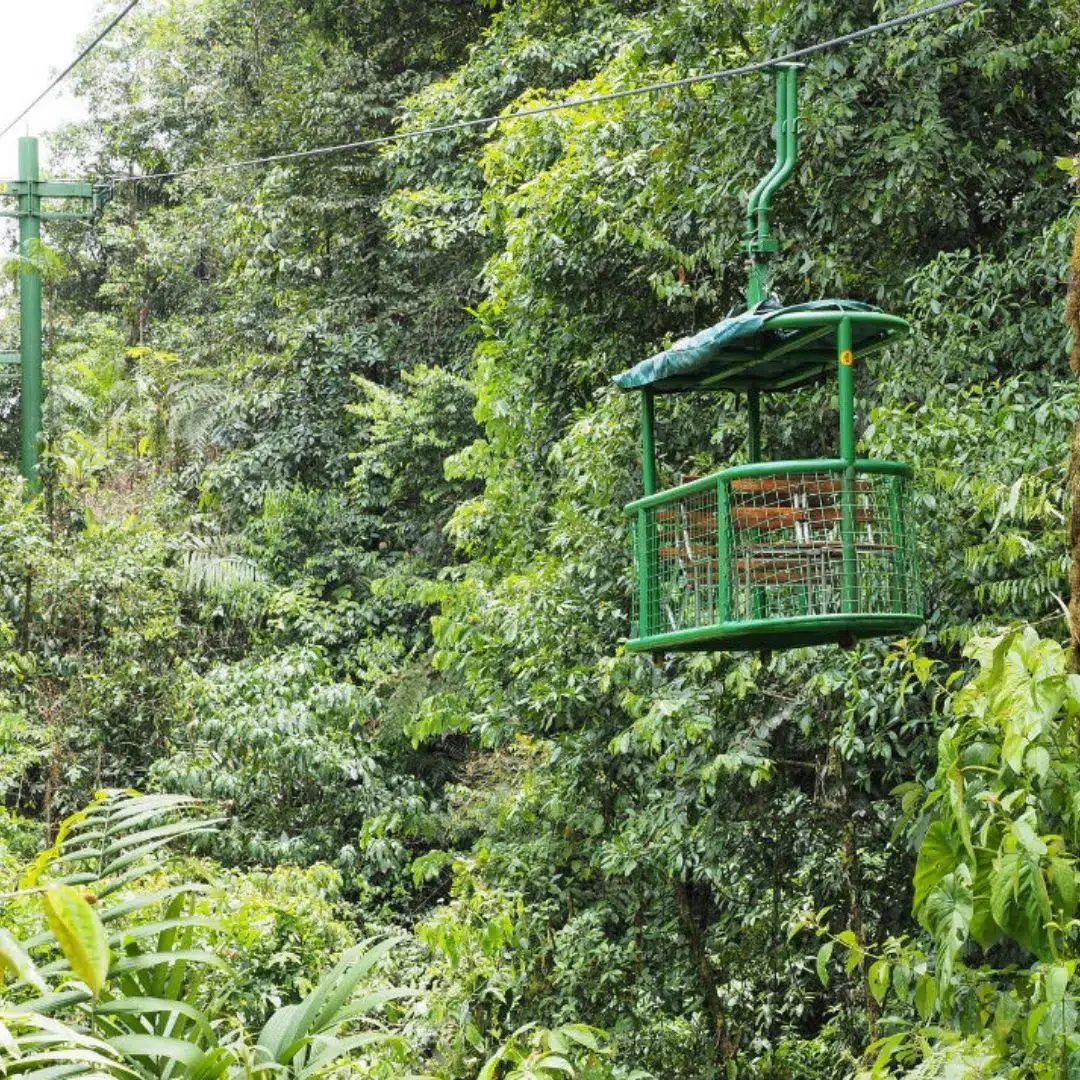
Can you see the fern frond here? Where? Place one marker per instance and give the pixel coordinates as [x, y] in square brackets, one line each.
[196, 417]
[211, 566]
[73, 398]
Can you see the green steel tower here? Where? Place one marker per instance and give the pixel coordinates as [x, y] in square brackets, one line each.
[29, 191]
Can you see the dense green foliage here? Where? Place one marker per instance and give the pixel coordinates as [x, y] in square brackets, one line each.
[331, 558]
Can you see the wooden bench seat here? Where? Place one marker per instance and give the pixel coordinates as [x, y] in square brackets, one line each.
[776, 556]
[795, 485]
[796, 507]
[778, 517]
[782, 563]
[764, 517]
[700, 552]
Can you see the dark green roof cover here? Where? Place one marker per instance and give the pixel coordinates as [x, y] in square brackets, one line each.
[763, 348]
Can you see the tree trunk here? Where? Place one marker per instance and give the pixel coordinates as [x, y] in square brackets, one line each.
[853, 879]
[693, 903]
[837, 796]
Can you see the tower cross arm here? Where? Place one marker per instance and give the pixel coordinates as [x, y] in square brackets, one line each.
[49, 189]
[55, 189]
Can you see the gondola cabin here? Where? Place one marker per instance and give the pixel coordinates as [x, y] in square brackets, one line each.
[773, 554]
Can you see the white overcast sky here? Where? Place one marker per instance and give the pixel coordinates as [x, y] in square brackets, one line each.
[39, 38]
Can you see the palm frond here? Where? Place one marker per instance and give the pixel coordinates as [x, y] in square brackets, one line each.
[145, 1020]
[107, 846]
[37, 1046]
[144, 1007]
[110, 842]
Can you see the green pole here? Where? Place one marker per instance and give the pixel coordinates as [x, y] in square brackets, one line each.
[760, 243]
[723, 550]
[646, 525]
[778, 164]
[846, 379]
[896, 538]
[29, 316]
[753, 409]
[648, 442]
[759, 277]
[759, 271]
[787, 122]
[645, 562]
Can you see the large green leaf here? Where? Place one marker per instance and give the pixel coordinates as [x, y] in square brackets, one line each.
[291, 1029]
[139, 931]
[940, 853]
[925, 996]
[984, 927]
[824, 955]
[80, 933]
[957, 804]
[949, 908]
[213, 1065]
[877, 979]
[156, 1046]
[1061, 875]
[152, 960]
[328, 1050]
[1021, 904]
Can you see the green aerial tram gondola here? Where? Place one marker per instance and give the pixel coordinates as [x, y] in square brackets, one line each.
[773, 554]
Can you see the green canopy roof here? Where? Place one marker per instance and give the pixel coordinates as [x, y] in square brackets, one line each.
[768, 347]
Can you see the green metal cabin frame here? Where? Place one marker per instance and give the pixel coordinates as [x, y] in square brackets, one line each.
[773, 554]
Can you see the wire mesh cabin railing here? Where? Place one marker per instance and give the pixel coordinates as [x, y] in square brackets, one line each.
[802, 552]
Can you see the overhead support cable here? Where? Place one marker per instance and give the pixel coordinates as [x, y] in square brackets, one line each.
[540, 110]
[71, 67]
